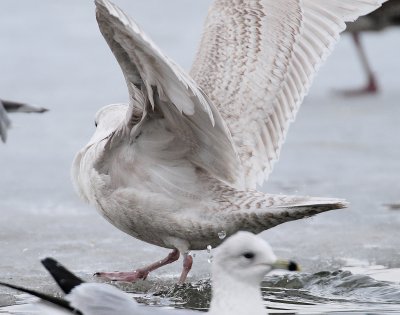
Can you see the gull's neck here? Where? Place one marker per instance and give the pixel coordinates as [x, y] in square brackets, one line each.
[230, 296]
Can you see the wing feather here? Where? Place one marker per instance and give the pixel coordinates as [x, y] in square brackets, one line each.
[104, 299]
[155, 79]
[257, 60]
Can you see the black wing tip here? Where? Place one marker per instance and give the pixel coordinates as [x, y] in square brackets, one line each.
[49, 261]
[11, 286]
[65, 279]
[45, 297]
[51, 265]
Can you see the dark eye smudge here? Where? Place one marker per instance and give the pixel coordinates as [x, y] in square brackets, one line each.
[248, 255]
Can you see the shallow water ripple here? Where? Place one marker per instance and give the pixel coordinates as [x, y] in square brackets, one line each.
[337, 292]
[318, 293]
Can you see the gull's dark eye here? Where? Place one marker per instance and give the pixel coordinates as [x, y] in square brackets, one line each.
[95, 123]
[248, 255]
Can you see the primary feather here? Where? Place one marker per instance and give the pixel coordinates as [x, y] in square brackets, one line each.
[256, 62]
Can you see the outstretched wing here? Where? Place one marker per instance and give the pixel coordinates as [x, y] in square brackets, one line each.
[256, 62]
[159, 86]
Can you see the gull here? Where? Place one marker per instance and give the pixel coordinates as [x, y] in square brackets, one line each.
[238, 268]
[178, 166]
[386, 16]
[14, 107]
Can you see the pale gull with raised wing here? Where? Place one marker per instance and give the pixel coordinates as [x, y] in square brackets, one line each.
[178, 166]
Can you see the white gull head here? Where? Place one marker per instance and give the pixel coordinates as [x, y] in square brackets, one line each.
[239, 266]
[244, 257]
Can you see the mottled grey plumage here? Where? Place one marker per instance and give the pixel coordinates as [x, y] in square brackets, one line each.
[13, 107]
[180, 163]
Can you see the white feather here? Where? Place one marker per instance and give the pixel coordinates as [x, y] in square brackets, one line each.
[256, 62]
[170, 90]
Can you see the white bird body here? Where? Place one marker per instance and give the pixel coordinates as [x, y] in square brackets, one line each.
[180, 162]
[155, 186]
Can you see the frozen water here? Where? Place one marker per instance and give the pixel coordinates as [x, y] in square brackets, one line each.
[54, 56]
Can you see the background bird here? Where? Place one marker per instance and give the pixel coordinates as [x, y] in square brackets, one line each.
[386, 16]
[239, 266]
[179, 165]
[14, 107]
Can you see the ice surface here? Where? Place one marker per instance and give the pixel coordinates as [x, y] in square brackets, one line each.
[54, 56]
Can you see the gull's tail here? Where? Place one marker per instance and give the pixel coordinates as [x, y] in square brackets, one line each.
[257, 212]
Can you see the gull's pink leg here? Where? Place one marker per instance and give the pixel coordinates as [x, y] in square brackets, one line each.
[141, 273]
[371, 87]
[187, 265]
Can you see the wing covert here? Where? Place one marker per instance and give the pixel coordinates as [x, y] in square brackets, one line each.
[153, 78]
[256, 62]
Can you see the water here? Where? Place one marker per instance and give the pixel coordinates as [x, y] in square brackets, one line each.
[338, 292]
[53, 55]
[222, 235]
[327, 292]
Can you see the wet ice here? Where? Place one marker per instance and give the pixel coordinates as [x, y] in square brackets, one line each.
[339, 147]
